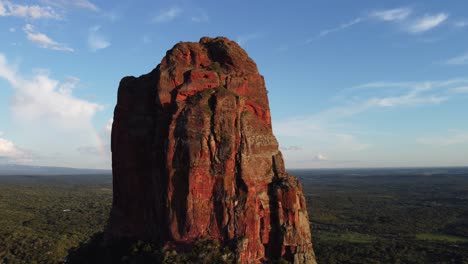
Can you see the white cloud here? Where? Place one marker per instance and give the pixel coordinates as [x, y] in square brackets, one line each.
[48, 113]
[43, 41]
[389, 95]
[8, 8]
[96, 40]
[42, 98]
[83, 4]
[10, 153]
[7, 148]
[167, 15]
[343, 26]
[426, 23]
[397, 14]
[450, 138]
[401, 16]
[389, 15]
[459, 60]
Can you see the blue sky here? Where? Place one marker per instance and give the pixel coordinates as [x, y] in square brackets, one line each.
[351, 83]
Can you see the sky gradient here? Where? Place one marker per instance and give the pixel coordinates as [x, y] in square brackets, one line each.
[351, 83]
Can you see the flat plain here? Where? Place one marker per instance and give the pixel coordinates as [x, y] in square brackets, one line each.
[357, 216]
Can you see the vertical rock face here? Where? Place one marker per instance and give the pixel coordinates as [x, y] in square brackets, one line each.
[194, 157]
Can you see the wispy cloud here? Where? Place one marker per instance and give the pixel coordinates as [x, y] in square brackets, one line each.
[397, 14]
[389, 15]
[96, 40]
[8, 8]
[330, 132]
[326, 128]
[83, 4]
[409, 93]
[427, 23]
[401, 16]
[459, 60]
[412, 98]
[167, 15]
[43, 41]
[448, 139]
[343, 26]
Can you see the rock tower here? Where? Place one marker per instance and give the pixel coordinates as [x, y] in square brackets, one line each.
[194, 157]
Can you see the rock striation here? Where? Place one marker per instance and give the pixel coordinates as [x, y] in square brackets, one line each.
[194, 157]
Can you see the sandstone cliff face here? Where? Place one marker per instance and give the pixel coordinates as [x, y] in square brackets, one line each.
[194, 157]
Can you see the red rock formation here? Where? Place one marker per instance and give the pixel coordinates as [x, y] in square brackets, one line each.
[194, 157]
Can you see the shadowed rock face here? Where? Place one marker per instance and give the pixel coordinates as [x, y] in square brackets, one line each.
[194, 156]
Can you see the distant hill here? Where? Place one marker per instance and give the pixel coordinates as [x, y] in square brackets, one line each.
[15, 169]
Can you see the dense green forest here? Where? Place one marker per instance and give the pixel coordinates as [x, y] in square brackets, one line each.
[42, 217]
[356, 217]
[388, 218]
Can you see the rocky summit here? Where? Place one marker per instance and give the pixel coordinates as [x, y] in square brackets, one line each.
[194, 157]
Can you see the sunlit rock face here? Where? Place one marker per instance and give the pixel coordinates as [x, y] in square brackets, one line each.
[194, 157]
